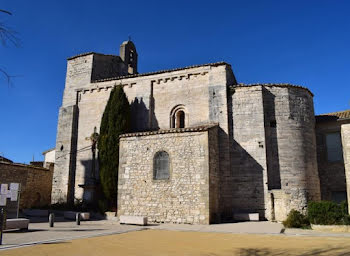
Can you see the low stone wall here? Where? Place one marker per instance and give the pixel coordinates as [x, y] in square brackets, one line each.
[188, 196]
[36, 182]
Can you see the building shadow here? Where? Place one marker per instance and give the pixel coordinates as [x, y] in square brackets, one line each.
[142, 119]
[91, 187]
[271, 141]
[243, 186]
[247, 183]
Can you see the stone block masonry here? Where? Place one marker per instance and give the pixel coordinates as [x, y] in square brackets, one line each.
[259, 158]
[345, 134]
[273, 159]
[35, 183]
[186, 197]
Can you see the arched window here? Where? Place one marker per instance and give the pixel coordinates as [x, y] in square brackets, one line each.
[161, 166]
[177, 117]
[180, 119]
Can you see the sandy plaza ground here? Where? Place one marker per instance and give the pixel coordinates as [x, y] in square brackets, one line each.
[164, 242]
[110, 238]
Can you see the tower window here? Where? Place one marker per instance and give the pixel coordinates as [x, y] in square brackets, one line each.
[161, 166]
[178, 117]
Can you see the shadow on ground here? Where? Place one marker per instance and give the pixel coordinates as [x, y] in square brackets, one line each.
[53, 230]
[57, 242]
[268, 252]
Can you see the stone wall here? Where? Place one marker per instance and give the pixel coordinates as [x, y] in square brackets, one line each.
[291, 149]
[35, 183]
[65, 155]
[188, 196]
[345, 134]
[273, 160]
[247, 187]
[332, 174]
[201, 91]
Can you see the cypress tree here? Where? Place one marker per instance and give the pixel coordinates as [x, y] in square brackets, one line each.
[115, 121]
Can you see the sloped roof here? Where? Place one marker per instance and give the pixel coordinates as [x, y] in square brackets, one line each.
[340, 115]
[4, 159]
[162, 71]
[273, 85]
[172, 130]
[46, 151]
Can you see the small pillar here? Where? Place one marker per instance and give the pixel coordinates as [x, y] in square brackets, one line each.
[52, 219]
[77, 218]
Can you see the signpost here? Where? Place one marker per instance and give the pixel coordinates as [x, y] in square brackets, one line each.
[13, 206]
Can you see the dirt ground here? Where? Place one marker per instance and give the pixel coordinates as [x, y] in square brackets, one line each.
[161, 242]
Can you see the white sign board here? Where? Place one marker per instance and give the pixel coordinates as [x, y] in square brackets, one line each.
[3, 189]
[14, 186]
[3, 200]
[8, 195]
[14, 195]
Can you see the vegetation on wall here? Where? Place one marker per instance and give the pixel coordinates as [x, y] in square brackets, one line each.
[320, 213]
[115, 121]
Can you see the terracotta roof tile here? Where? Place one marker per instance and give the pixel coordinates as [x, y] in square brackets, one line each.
[340, 115]
[161, 71]
[273, 85]
[172, 130]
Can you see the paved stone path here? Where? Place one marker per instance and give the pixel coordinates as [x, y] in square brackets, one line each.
[42, 233]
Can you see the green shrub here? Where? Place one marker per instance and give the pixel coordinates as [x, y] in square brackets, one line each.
[346, 220]
[344, 207]
[326, 213]
[296, 219]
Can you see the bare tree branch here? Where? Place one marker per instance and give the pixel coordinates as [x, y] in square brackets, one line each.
[7, 76]
[7, 12]
[8, 35]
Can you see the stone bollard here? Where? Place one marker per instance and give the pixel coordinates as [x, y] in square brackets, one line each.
[77, 218]
[52, 219]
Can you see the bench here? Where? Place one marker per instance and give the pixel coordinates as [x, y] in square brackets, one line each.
[246, 216]
[21, 223]
[135, 220]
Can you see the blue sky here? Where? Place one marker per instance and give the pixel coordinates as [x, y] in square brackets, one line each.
[299, 42]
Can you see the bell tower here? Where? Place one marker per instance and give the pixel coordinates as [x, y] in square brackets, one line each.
[129, 56]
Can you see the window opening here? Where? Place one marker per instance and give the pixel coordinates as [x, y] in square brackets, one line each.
[161, 166]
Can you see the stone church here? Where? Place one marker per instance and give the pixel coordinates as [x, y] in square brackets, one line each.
[202, 147]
